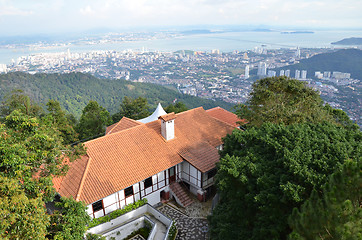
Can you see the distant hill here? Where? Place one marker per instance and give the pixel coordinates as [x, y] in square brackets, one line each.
[349, 41]
[75, 90]
[345, 60]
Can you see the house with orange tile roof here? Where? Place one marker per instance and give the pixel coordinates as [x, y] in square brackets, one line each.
[149, 159]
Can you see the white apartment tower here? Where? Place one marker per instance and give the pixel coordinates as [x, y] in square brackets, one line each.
[297, 74]
[246, 75]
[272, 73]
[297, 53]
[287, 73]
[262, 69]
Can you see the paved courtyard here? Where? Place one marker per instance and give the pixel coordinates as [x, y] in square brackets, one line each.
[188, 227]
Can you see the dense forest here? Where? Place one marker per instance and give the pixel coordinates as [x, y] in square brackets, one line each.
[345, 60]
[75, 90]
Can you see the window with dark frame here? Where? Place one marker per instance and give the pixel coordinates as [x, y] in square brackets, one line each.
[128, 191]
[97, 206]
[148, 182]
[211, 173]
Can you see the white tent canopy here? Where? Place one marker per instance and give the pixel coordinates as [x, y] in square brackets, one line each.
[154, 116]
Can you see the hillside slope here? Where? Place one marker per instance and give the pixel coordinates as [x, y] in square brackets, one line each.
[345, 60]
[349, 41]
[75, 90]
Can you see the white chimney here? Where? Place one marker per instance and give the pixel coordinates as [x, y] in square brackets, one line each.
[168, 126]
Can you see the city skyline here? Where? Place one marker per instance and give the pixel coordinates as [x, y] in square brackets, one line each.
[49, 17]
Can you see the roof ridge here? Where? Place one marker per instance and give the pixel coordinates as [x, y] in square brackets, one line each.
[190, 110]
[221, 121]
[114, 127]
[119, 122]
[135, 121]
[124, 130]
[214, 108]
[82, 181]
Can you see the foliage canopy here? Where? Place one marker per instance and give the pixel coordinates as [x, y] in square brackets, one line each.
[75, 90]
[21, 217]
[267, 171]
[282, 100]
[93, 121]
[132, 108]
[31, 154]
[176, 108]
[335, 212]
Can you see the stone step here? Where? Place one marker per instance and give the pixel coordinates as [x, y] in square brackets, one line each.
[181, 194]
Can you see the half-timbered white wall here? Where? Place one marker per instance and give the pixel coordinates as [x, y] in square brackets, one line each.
[207, 182]
[160, 181]
[190, 175]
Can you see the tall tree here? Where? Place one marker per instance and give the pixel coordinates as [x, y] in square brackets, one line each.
[267, 171]
[282, 100]
[57, 116]
[176, 108]
[93, 121]
[335, 212]
[70, 221]
[18, 100]
[20, 217]
[132, 108]
[32, 152]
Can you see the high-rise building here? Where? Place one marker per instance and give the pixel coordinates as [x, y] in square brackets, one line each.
[327, 74]
[287, 73]
[304, 74]
[215, 51]
[3, 68]
[281, 73]
[297, 53]
[340, 75]
[272, 73]
[318, 75]
[246, 75]
[262, 69]
[297, 74]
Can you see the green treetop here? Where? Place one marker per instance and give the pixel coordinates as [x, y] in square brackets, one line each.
[32, 152]
[93, 121]
[18, 100]
[70, 221]
[267, 171]
[282, 100]
[176, 108]
[132, 108]
[57, 116]
[21, 217]
[335, 212]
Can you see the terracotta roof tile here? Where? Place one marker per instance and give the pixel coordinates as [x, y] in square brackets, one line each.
[202, 156]
[123, 124]
[168, 117]
[68, 185]
[125, 157]
[109, 128]
[225, 116]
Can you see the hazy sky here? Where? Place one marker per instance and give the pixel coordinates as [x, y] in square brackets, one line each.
[50, 16]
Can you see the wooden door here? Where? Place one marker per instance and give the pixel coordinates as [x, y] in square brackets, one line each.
[172, 174]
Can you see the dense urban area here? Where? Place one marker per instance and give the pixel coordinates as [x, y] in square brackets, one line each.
[211, 75]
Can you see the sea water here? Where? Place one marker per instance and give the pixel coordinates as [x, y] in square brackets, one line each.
[225, 42]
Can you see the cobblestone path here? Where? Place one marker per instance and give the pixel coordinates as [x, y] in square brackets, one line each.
[188, 228]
